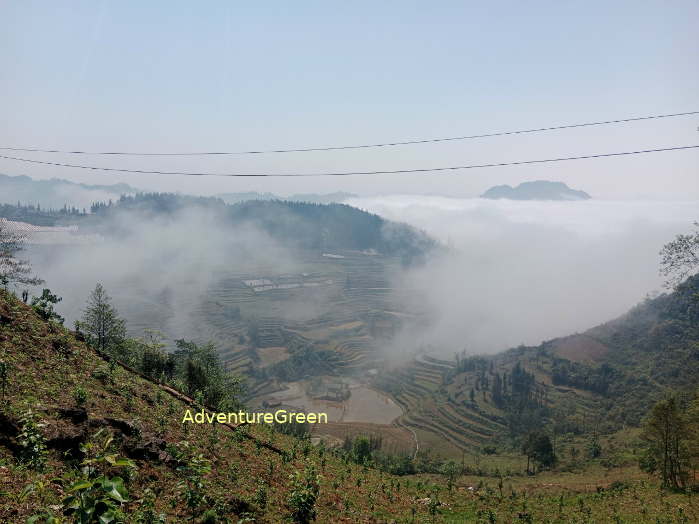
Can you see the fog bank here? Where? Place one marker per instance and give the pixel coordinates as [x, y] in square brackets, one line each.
[522, 272]
[159, 270]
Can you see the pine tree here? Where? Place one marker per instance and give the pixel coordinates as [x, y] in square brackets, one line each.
[101, 323]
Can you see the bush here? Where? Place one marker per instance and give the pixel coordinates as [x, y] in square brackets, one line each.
[305, 488]
[44, 305]
[80, 396]
[31, 441]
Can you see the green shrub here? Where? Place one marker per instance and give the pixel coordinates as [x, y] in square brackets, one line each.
[97, 496]
[80, 396]
[31, 440]
[305, 488]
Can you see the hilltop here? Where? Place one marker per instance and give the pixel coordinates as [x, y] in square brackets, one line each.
[316, 198]
[303, 225]
[537, 190]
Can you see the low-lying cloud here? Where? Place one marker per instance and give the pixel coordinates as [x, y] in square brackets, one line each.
[522, 272]
[159, 269]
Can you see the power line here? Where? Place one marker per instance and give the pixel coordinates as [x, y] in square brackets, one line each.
[349, 173]
[361, 146]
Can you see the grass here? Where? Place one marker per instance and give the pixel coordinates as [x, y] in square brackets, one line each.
[47, 364]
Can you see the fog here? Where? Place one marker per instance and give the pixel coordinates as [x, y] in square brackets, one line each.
[522, 272]
[514, 272]
[56, 193]
[158, 270]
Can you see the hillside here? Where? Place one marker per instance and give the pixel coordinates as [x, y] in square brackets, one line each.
[301, 225]
[47, 365]
[537, 190]
[65, 405]
[599, 381]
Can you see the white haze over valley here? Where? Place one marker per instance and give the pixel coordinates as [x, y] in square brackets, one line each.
[515, 271]
[170, 262]
[527, 271]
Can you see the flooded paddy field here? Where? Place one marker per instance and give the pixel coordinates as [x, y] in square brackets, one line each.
[364, 405]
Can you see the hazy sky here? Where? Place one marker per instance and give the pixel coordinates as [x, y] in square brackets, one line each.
[192, 76]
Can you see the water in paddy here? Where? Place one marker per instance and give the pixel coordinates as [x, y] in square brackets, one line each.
[364, 404]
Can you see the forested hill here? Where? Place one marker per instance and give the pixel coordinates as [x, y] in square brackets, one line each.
[591, 383]
[638, 358]
[300, 224]
[631, 362]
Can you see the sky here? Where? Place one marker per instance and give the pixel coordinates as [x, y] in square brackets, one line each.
[201, 76]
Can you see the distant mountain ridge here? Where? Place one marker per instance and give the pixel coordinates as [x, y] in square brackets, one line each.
[314, 198]
[536, 190]
[56, 192]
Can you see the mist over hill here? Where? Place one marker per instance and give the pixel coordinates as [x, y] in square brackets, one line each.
[526, 271]
[336, 197]
[299, 225]
[56, 193]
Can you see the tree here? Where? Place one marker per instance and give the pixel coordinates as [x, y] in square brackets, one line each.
[537, 447]
[451, 470]
[361, 450]
[199, 369]
[101, 323]
[680, 258]
[14, 270]
[44, 306]
[666, 434]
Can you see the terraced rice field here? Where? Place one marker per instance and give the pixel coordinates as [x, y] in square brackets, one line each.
[331, 304]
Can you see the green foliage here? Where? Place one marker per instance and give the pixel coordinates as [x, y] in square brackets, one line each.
[305, 488]
[31, 440]
[537, 447]
[101, 324]
[80, 396]
[97, 496]
[361, 450]
[451, 470]
[199, 368]
[44, 306]
[96, 500]
[594, 448]
[146, 513]
[667, 436]
[192, 469]
[147, 354]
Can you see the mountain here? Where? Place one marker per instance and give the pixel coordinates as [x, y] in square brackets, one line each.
[597, 382]
[57, 193]
[337, 197]
[537, 190]
[301, 225]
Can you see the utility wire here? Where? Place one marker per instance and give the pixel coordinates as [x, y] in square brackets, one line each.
[349, 173]
[362, 146]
